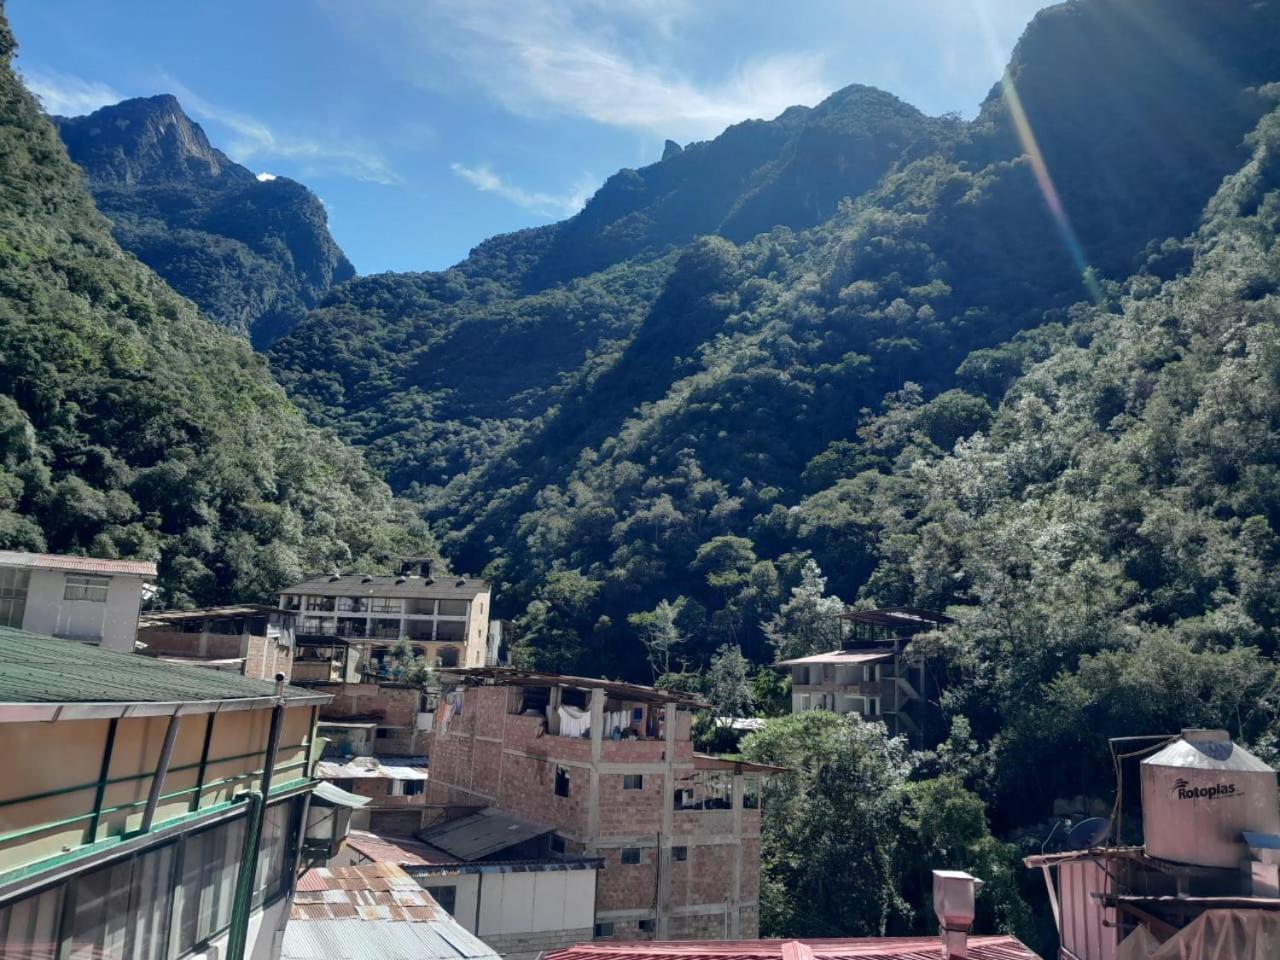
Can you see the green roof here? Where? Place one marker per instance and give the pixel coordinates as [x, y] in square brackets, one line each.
[40, 669]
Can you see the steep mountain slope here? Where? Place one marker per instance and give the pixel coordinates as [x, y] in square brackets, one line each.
[254, 255]
[652, 429]
[131, 426]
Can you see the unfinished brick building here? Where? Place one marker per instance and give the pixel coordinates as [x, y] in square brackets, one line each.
[610, 767]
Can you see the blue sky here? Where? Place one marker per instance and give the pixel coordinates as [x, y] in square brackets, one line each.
[428, 125]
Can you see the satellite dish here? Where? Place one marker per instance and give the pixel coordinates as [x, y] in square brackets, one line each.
[1088, 833]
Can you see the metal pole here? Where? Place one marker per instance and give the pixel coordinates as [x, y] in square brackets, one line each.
[162, 770]
[107, 750]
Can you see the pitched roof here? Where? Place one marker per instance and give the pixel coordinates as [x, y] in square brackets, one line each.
[862, 948]
[840, 657]
[444, 587]
[60, 561]
[481, 834]
[372, 912]
[46, 675]
[405, 851]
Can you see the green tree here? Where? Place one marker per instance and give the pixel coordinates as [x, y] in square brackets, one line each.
[810, 621]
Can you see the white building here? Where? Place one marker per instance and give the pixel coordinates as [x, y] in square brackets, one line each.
[76, 598]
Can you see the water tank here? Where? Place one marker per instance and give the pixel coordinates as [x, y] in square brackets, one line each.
[1198, 795]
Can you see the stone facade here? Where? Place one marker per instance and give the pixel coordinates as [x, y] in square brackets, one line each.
[666, 870]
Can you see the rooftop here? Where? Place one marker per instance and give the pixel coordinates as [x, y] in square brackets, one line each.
[512, 677]
[59, 561]
[44, 678]
[863, 948]
[841, 657]
[911, 618]
[481, 834]
[443, 587]
[375, 911]
[378, 767]
[158, 618]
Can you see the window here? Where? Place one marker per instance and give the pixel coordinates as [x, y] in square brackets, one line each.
[679, 854]
[632, 781]
[324, 604]
[556, 843]
[873, 706]
[29, 928]
[750, 794]
[275, 856]
[13, 596]
[645, 926]
[352, 604]
[406, 788]
[452, 608]
[871, 673]
[93, 589]
[804, 702]
[385, 605]
[210, 861]
[450, 631]
[447, 897]
[384, 733]
[630, 855]
[448, 656]
[562, 781]
[602, 930]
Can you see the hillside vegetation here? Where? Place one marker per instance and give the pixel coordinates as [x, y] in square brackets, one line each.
[131, 426]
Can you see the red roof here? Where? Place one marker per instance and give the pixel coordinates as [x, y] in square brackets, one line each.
[58, 561]
[862, 948]
[405, 851]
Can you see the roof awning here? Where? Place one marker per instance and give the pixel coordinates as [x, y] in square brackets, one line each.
[334, 796]
[840, 656]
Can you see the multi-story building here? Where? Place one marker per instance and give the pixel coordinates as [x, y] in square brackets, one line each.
[610, 769]
[349, 623]
[75, 598]
[875, 674]
[396, 788]
[147, 810]
[248, 639]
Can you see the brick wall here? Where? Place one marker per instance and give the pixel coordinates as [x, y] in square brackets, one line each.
[527, 946]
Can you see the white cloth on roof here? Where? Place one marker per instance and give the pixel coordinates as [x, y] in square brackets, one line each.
[574, 722]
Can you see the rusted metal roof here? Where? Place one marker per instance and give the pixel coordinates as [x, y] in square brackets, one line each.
[862, 948]
[60, 561]
[512, 677]
[405, 851]
[372, 912]
[841, 657]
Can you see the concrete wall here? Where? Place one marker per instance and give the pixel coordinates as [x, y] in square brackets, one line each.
[112, 624]
[264, 657]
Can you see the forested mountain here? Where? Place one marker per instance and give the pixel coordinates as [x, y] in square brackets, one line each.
[684, 423]
[253, 254]
[131, 426]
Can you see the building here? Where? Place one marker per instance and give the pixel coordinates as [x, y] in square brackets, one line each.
[364, 719]
[373, 912]
[1206, 880]
[147, 810]
[76, 598]
[610, 769]
[520, 905]
[248, 639]
[396, 788]
[953, 897]
[875, 674]
[349, 623]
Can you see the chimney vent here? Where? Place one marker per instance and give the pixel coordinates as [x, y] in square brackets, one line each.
[953, 895]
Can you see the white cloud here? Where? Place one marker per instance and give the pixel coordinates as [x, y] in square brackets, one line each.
[549, 204]
[253, 138]
[68, 96]
[614, 63]
[263, 177]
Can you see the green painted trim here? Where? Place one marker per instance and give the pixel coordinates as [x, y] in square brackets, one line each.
[204, 761]
[242, 902]
[107, 750]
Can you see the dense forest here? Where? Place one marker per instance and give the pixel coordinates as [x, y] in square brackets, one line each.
[132, 426]
[254, 254]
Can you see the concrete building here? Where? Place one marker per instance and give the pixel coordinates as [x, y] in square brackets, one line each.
[248, 639]
[520, 905]
[350, 622]
[396, 788]
[875, 674]
[373, 912]
[364, 719]
[147, 810]
[75, 598]
[610, 768]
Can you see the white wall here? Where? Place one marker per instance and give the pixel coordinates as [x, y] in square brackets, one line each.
[536, 902]
[113, 624]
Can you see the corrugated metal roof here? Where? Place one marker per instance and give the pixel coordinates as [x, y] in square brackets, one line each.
[841, 656]
[862, 948]
[357, 585]
[335, 796]
[155, 618]
[39, 669]
[60, 561]
[383, 768]
[405, 851]
[372, 912]
[481, 834]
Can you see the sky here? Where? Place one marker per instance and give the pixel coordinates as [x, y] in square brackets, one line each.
[426, 126]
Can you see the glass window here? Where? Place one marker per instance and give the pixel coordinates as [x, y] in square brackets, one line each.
[603, 930]
[447, 897]
[679, 854]
[406, 788]
[151, 903]
[93, 589]
[99, 913]
[562, 781]
[279, 832]
[448, 656]
[210, 860]
[29, 928]
[385, 605]
[631, 855]
[645, 926]
[13, 595]
[632, 781]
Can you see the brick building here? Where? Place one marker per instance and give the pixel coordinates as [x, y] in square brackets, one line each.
[610, 768]
[248, 639]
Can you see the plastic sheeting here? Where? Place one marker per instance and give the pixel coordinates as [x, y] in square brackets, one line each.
[1223, 935]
